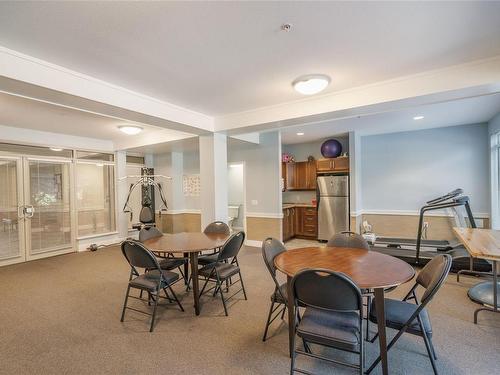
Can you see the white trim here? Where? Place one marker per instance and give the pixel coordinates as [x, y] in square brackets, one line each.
[479, 215]
[253, 243]
[178, 212]
[97, 235]
[267, 215]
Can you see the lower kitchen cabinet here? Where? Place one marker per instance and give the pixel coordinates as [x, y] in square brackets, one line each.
[306, 222]
[289, 223]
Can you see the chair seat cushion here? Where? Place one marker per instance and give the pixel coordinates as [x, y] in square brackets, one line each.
[149, 280]
[397, 314]
[277, 297]
[336, 329]
[172, 263]
[208, 259]
[224, 270]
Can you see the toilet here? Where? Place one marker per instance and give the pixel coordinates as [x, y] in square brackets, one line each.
[233, 212]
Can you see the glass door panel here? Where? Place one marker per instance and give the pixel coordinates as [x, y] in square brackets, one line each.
[11, 224]
[48, 215]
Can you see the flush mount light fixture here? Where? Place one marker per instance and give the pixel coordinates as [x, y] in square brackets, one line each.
[130, 129]
[311, 84]
[300, 133]
[57, 149]
[418, 117]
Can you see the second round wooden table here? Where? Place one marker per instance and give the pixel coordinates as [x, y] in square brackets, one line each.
[190, 244]
[368, 269]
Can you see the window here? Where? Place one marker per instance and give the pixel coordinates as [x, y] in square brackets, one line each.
[90, 155]
[95, 198]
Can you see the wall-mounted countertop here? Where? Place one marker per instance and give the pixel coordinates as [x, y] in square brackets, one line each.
[292, 205]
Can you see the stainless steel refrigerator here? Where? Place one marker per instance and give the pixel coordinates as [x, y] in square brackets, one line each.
[333, 205]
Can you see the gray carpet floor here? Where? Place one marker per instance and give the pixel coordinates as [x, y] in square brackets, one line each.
[62, 315]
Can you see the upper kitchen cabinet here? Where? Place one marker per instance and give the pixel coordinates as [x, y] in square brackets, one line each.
[300, 175]
[340, 164]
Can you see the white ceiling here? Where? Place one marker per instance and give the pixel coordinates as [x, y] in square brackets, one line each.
[30, 114]
[226, 57]
[459, 112]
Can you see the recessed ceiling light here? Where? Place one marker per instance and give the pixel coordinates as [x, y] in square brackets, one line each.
[56, 149]
[130, 129]
[300, 133]
[311, 84]
[418, 117]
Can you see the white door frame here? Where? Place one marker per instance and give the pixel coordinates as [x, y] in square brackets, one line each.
[27, 201]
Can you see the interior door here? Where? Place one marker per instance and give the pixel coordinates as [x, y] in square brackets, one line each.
[12, 240]
[47, 208]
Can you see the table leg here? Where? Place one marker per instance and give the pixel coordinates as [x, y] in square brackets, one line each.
[194, 277]
[382, 338]
[186, 268]
[291, 314]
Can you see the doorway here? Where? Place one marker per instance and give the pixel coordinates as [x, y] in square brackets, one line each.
[35, 208]
[236, 196]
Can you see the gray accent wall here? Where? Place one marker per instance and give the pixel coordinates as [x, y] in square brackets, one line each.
[400, 171]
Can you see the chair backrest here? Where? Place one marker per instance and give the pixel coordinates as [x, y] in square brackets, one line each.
[271, 248]
[149, 232]
[146, 215]
[348, 239]
[433, 275]
[232, 246]
[138, 256]
[217, 227]
[326, 289]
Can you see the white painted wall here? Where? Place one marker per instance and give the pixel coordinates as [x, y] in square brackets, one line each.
[235, 184]
[302, 150]
[494, 124]
[263, 169]
[400, 171]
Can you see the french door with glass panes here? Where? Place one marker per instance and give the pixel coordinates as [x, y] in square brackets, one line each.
[34, 208]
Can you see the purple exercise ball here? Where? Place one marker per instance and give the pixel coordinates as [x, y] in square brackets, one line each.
[331, 148]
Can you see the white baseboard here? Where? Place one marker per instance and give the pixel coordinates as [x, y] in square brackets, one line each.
[253, 243]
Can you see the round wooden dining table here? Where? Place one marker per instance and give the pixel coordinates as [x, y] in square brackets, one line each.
[368, 269]
[190, 244]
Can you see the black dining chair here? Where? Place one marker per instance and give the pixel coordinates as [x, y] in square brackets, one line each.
[151, 281]
[333, 316]
[357, 241]
[413, 318]
[224, 268]
[348, 239]
[271, 248]
[169, 262]
[217, 227]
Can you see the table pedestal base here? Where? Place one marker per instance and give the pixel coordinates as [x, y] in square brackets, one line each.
[486, 293]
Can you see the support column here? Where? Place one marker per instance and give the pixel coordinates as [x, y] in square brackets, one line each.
[356, 199]
[213, 175]
[121, 194]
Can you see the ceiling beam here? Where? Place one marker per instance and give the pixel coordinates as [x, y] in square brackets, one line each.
[456, 82]
[30, 77]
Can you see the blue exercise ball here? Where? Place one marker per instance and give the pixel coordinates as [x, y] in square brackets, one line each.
[331, 148]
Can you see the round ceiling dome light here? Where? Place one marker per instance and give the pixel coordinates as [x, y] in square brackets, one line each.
[130, 129]
[311, 84]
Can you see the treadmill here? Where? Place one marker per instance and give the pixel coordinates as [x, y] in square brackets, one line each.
[440, 245]
[412, 251]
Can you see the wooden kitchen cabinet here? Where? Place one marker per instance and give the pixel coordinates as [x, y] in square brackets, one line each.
[340, 164]
[303, 176]
[289, 222]
[290, 180]
[306, 222]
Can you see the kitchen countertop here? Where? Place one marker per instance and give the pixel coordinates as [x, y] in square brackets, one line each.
[292, 205]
